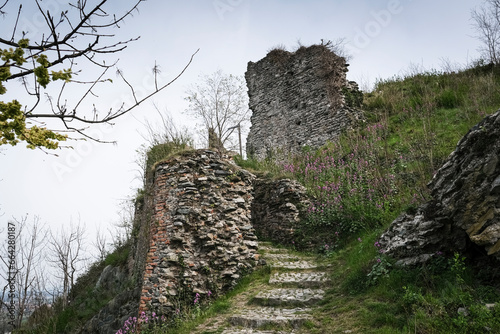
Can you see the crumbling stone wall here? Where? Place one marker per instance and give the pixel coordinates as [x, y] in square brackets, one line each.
[278, 206]
[201, 238]
[299, 99]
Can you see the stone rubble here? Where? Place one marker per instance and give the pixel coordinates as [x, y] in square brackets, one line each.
[277, 209]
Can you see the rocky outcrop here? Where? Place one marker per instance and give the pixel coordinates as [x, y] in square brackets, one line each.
[201, 240]
[299, 99]
[464, 213]
[114, 284]
[114, 314]
[277, 208]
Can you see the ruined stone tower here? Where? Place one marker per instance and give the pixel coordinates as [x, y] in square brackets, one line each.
[299, 99]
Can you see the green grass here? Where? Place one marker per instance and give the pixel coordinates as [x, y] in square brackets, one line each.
[406, 300]
[421, 118]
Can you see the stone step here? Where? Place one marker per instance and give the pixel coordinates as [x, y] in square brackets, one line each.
[270, 249]
[269, 316]
[289, 297]
[285, 256]
[301, 264]
[252, 331]
[301, 280]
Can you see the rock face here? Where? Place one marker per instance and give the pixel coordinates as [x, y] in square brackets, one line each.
[201, 238]
[277, 208]
[298, 99]
[464, 214]
[113, 281]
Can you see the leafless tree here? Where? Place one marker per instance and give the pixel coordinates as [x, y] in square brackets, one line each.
[66, 249]
[100, 244]
[71, 37]
[220, 102]
[122, 229]
[30, 241]
[486, 21]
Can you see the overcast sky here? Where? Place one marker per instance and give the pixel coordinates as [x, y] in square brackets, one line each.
[384, 36]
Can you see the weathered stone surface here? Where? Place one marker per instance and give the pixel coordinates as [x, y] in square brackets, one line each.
[115, 313]
[298, 99]
[277, 208]
[465, 205]
[299, 279]
[289, 297]
[300, 264]
[252, 331]
[265, 316]
[201, 238]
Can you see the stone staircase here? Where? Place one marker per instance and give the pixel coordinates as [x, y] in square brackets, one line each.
[286, 302]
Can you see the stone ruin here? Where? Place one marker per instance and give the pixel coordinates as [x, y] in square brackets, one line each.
[299, 99]
[464, 213]
[200, 239]
[201, 213]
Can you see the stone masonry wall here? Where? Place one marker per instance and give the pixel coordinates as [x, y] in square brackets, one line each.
[277, 208]
[297, 99]
[201, 238]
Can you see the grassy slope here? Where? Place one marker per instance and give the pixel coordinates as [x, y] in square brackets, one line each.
[425, 115]
[417, 120]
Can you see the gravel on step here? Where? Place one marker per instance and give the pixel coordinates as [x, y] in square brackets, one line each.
[301, 264]
[272, 249]
[302, 280]
[290, 297]
[268, 316]
[252, 331]
[283, 256]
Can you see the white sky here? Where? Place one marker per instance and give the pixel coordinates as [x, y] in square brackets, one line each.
[385, 37]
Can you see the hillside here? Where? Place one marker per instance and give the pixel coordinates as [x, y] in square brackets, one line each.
[359, 185]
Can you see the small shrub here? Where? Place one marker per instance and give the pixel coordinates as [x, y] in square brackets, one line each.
[448, 99]
[119, 256]
[381, 268]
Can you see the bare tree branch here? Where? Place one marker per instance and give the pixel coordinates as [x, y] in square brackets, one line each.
[28, 266]
[220, 103]
[81, 31]
[487, 24]
[66, 253]
[100, 245]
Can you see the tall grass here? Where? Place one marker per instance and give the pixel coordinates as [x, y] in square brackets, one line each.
[353, 183]
[368, 176]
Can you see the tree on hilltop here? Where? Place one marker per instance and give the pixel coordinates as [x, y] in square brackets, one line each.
[487, 24]
[67, 40]
[220, 102]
